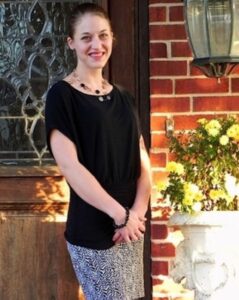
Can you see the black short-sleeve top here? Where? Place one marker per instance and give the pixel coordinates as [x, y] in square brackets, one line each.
[106, 136]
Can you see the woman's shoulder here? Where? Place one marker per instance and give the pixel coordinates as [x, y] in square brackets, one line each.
[125, 94]
[123, 91]
[60, 86]
[59, 91]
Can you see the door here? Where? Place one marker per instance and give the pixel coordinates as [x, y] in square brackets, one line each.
[129, 67]
[34, 262]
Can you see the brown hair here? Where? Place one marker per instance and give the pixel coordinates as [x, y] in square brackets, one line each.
[82, 9]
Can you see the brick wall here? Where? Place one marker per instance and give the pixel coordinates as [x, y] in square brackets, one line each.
[180, 91]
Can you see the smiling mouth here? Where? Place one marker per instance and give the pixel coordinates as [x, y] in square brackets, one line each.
[97, 55]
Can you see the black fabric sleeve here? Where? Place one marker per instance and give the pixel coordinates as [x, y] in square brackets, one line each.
[137, 121]
[135, 112]
[131, 101]
[57, 113]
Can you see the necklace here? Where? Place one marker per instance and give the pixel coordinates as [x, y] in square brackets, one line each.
[102, 94]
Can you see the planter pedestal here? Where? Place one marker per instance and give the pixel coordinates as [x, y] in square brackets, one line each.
[208, 257]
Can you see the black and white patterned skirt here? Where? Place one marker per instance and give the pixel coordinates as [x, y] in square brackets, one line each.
[112, 274]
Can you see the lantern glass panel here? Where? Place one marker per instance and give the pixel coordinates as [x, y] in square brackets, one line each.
[219, 27]
[196, 27]
[235, 35]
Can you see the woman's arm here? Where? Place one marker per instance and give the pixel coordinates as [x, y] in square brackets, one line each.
[140, 205]
[81, 180]
[88, 188]
[144, 183]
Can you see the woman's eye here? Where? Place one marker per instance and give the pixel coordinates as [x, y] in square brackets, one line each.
[86, 38]
[104, 36]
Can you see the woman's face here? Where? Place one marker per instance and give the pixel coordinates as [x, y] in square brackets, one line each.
[92, 41]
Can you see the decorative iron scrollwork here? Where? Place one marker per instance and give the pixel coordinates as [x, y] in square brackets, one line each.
[33, 55]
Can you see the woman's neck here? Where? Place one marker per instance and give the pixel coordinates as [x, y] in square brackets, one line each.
[92, 77]
[89, 82]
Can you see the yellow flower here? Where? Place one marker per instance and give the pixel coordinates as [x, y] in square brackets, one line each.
[199, 196]
[221, 194]
[190, 188]
[224, 139]
[213, 124]
[174, 167]
[187, 201]
[233, 132]
[191, 194]
[217, 194]
[215, 181]
[161, 185]
[202, 121]
[213, 194]
[213, 127]
[213, 132]
[199, 182]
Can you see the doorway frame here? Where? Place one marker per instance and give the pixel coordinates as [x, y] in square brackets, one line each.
[129, 67]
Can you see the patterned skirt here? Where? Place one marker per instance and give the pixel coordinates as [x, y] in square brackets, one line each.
[112, 274]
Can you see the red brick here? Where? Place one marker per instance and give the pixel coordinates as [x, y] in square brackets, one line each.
[159, 211]
[160, 268]
[181, 104]
[157, 123]
[161, 86]
[159, 231]
[195, 71]
[157, 14]
[167, 32]
[159, 141]
[201, 86]
[158, 159]
[162, 250]
[186, 122]
[235, 85]
[180, 49]
[171, 156]
[219, 103]
[157, 281]
[161, 214]
[158, 50]
[235, 70]
[176, 13]
[168, 68]
[159, 176]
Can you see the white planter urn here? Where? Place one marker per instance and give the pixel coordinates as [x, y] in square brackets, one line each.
[208, 257]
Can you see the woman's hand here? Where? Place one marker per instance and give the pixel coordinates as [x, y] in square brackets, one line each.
[133, 231]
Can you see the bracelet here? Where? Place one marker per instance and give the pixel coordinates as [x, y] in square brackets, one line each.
[125, 221]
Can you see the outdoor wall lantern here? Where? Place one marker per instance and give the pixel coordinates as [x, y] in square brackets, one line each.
[213, 31]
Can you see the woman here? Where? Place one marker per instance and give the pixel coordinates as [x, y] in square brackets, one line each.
[93, 134]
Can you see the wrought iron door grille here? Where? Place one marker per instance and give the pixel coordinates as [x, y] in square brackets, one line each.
[33, 55]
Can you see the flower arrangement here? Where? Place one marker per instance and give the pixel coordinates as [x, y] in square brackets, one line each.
[205, 172]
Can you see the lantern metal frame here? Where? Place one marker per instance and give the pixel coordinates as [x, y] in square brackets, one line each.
[212, 66]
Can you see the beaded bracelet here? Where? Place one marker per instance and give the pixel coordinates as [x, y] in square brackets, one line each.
[125, 221]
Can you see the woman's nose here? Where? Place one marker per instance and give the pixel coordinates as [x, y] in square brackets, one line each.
[96, 42]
